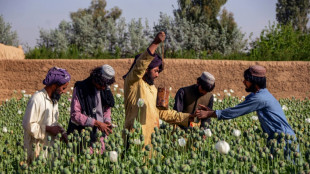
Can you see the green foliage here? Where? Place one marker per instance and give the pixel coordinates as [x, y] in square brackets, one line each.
[7, 36]
[293, 12]
[280, 42]
[249, 151]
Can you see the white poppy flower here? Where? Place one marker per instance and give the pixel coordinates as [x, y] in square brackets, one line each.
[222, 147]
[19, 112]
[62, 104]
[72, 88]
[4, 129]
[140, 102]
[23, 91]
[284, 108]
[218, 94]
[137, 141]
[231, 91]
[114, 125]
[116, 86]
[214, 99]
[121, 90]
[118, 95]
[225, 91]
[116, 106]
[307, 120]
[170, 89]
[214, 95]
[208, 132]
[26, 95]
[69, 109]
[68, 92]
[228, 94]
[160, 121]
[236, 133]
[113, 156]
[254, 118]
[182, 142]
[6, 100]
[220, 101]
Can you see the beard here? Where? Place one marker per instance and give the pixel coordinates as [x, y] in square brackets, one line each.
[147, 78]
[252, 88]
[55, 96]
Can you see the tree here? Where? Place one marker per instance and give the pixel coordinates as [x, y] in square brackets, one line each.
[96, 10]
[197, 11]
[293, 12]
[7, 36]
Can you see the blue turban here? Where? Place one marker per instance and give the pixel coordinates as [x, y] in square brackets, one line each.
[157, 61]
[56, 76]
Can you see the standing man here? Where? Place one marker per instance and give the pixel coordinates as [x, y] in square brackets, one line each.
[139, 83]
[40, 119]
[188, 98]
[269, 111]
[91, 104]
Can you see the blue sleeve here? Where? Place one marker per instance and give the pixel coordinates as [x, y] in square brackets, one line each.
[249, 105]
[178, 100]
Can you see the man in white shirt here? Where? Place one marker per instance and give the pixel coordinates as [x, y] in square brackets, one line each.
[40, 119]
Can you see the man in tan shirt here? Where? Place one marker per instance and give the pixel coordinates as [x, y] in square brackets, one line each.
[139, 84]
[40, 119]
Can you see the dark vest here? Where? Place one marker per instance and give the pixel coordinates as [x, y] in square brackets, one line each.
[86, 93]
[192, 98]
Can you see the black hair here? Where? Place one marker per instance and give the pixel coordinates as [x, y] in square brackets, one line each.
[96, 77]
[259, 81]
[204, 85]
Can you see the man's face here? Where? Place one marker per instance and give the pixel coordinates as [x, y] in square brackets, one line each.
[201, 91]
[151, 75]
[98, 87]
[58, 91]
[249, 87]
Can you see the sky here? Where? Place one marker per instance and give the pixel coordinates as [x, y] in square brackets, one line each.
[27, 17]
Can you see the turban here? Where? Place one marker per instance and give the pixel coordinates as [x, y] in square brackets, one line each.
[56, 76]
[157, 61]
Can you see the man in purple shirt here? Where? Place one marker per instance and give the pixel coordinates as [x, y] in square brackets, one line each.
[269, 110]
[91, 104]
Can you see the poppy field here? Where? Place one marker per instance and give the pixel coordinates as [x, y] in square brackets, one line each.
[230, 146]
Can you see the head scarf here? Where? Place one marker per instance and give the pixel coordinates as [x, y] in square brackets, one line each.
[57, 76]
[157, 61]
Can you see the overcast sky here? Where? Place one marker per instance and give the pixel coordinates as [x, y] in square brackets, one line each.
[28, 16]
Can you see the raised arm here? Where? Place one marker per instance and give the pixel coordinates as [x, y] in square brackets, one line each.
[145, 59]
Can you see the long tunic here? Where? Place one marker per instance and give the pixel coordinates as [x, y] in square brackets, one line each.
[134, 88]
[187, 100]
[78, 118]
[269, 111]
[40, 112]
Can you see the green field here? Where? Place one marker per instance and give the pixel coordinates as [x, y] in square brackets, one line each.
[173, 150]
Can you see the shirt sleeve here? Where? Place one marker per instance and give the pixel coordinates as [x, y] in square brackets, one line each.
[174, 117]
[76, 115]
[178, 100]
[32, 119]
[107, 115]
[141, 65]
[247, 106]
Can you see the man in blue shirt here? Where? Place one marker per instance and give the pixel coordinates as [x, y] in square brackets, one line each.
[269, 111]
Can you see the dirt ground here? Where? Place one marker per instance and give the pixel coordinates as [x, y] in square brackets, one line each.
[284, 79]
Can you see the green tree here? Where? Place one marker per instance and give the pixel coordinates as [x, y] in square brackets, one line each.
[7, 36]
[197, 11]
[96, 10]
[293, 12]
